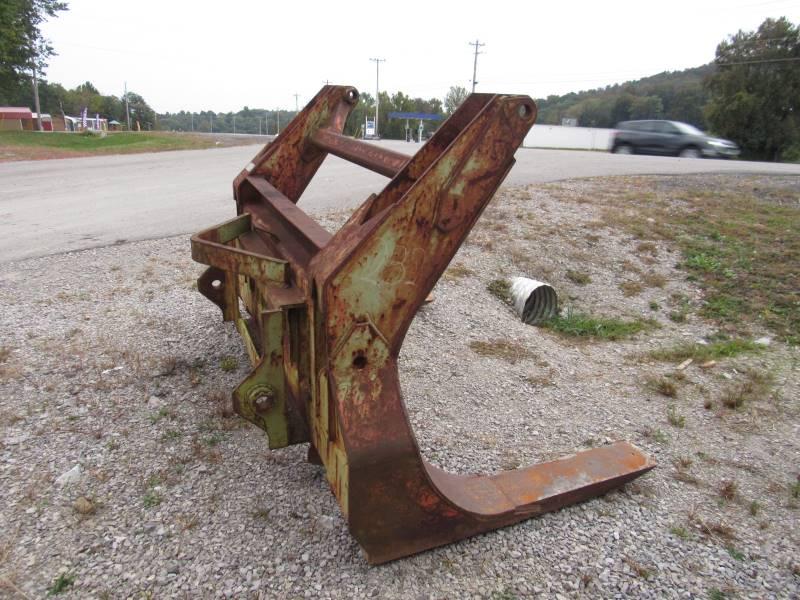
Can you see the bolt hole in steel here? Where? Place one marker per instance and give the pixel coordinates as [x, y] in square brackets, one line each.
[263, 403]
[524, 111]
[359, 362]
[216, 284]
[352, 96]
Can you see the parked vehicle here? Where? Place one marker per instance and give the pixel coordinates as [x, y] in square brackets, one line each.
[671, 138]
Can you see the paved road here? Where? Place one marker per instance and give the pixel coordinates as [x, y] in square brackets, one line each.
[48, 207]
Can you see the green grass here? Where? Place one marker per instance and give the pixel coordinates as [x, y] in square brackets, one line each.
[679, 532]
[675, 418]
[113, 143]
[704, 352]
[60, 584]
[739, 242]
[582, 325]
[228, 364]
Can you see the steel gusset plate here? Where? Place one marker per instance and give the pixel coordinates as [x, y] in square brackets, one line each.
[326, 316]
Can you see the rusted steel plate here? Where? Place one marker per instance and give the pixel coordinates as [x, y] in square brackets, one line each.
[328, 314]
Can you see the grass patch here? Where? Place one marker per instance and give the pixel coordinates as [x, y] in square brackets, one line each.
[740, 243]
[656, 435]
[654, 280]
[638, 568]
[228, 363]
[675, 418]
[728, 490]
[754, 387]
[582, 325]
[735, 554]
[794, 490]
[663, 386]
[630, 288]
[66, 144]
[502, 349]
[500, 289]
[61, 584]
[578, 277]
[705, 352]
[458, 271]
[151, 499]
[679, 532]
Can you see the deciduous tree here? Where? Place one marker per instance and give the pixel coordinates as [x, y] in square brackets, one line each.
[755, 90]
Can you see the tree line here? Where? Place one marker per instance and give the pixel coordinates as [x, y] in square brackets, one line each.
[749, 93]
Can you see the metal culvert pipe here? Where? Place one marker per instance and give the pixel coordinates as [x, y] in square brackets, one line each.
[534, 301]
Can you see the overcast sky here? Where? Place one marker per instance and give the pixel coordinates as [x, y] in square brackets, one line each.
[226, 55]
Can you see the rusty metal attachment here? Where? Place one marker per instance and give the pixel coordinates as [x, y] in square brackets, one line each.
[326, 316]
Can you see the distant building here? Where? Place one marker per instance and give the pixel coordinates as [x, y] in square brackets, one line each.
[12, 117]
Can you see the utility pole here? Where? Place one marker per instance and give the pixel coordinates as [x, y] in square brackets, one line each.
[377, 62]
[477, 45]
[36, 99]
[259, 125]
[234, 124]
[127, 108]
[296, 105]
[278, 119]
[212, 121]
[192, 121]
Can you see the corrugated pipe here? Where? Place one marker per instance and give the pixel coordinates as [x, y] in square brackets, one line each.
[534, 301]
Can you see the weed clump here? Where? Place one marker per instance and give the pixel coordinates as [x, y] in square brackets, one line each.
[582, 325]
[508, 351]
[578, 277]
[703, 352]
[228, 363]
[500, 289]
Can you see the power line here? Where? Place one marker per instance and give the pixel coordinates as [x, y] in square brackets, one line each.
[477, 45]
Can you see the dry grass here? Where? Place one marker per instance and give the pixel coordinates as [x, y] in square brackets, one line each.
[506, 350]
[578, 277]
[653, 280]
[663, 386]
[756, 386]
[458, 271]
[728, 490]
[631, 288]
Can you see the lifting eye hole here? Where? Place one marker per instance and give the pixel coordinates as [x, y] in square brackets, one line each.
[216, 284]
[359, 362]
[524, 111]
[351, 96]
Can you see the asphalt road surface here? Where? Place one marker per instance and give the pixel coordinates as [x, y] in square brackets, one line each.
[53, 206]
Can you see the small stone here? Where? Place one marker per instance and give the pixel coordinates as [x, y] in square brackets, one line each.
[155, 402]
[71, 476]
[763, 341]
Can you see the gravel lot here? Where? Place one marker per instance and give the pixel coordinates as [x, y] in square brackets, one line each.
[124, 474]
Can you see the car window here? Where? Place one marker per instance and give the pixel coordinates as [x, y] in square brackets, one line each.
[666, 127]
